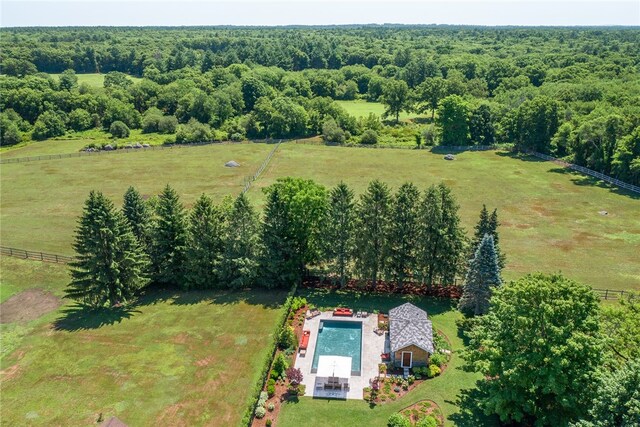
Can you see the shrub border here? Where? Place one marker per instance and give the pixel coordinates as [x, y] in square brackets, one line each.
[252, 403]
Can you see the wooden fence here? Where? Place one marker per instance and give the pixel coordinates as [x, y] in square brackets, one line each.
[586, 171]
[248, 180]
[612, 294]
[39, 256]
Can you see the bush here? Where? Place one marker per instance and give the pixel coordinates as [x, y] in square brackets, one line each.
[194, 131]
[297, 303]
[80, 120]
[237, 137]
[264, 396]
[167, 124]
[331, 132]
[262, 402]
[279, 366]
[150, 123]
[260, 412]
[427, 421]
[398, 420]
[48, 125]
[369, 137]
[271, 390]
[287, 338]
[438, 359]
[268, 423]
[434, 371]
[119, 130]
[271, 407]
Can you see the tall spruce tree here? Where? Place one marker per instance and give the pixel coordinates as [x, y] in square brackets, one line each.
[441, 241]
[430, 235]
[371, 233]
[482, 276]
[338, 241]
[240, 255]
[487, 224]
[110, 265]
[402, 233]
[452, 259]
[279, 259]
[168, 255]
[138, 215]
[205, 244]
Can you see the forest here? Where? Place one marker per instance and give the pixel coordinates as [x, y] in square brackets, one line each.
[570, 92]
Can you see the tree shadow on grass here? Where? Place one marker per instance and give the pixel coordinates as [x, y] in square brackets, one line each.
[583, 180]
[324, 298]
[78, 317]
[470, 414]
[520, 156]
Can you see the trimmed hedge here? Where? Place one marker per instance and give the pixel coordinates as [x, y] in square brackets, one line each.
[249, 413]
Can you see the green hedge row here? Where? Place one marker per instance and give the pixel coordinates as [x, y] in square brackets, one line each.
[253, 399]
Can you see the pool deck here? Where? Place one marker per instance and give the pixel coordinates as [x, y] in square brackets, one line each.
[373, 346]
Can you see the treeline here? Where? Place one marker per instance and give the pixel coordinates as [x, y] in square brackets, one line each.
[573, 94]
[402, 237]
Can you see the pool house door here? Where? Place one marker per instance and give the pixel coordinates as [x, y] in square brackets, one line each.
[407, 359]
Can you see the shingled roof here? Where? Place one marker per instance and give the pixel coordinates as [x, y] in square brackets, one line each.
[409, 325]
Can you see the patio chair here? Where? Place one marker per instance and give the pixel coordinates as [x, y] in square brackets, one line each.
[364, 314]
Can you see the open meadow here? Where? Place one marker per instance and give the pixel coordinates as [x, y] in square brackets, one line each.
[41, 200]
[173, 359]
[94, 80]
[552, 219]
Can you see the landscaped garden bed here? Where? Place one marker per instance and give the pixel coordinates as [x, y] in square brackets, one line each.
[424, 413]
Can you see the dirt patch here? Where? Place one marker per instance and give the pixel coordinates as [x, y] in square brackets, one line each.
[28, 305]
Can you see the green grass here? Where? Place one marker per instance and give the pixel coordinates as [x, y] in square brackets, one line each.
[360, 108]
[41, 200]
[550, 217]
[73, 142]
[176, 359]
[17, 275]
[94, 79]
[443, 390]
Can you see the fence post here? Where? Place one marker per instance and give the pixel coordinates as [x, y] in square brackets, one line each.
[606, 294]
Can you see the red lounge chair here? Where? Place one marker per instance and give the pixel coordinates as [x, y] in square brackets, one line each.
[304, 342]
[343, 312]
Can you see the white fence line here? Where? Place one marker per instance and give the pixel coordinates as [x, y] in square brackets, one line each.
[250, 179]
[586, 171]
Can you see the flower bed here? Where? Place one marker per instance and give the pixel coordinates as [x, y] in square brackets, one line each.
[422, 409]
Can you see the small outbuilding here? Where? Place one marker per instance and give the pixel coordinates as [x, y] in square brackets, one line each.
[410, 336]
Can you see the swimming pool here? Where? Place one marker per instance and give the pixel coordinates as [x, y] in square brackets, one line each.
[339, 338]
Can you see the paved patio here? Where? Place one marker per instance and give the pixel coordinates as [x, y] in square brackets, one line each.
[372, 346]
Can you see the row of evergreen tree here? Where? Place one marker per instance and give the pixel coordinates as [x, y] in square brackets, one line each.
[404, 237]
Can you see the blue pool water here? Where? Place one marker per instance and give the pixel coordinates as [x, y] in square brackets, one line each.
[338, 338]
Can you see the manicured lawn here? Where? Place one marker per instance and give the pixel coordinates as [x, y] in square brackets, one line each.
[360, 108]
[443, 390]
[550, 217]
[41, 200]
[176, 359]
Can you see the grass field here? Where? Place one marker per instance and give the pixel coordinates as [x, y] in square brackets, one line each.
[94, 79]
[360, 108]
[73, 142]
[443, 390]
[41, 200]
[550, 217]
[176, 359]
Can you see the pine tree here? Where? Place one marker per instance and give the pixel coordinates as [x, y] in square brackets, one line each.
[338, 233]
[482, 276]
[487, 224]
[451, 260]
[278, 263]
[239, 260]
[402, 233]
[109, 266]
[205, 244]
[169, 239]
[371, 232]
[429, 235]
[441, 239]
[138, 215]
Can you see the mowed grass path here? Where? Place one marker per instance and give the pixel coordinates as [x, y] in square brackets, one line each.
[177, 359]
[41, 200]
[444, 390]
[550, 217]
